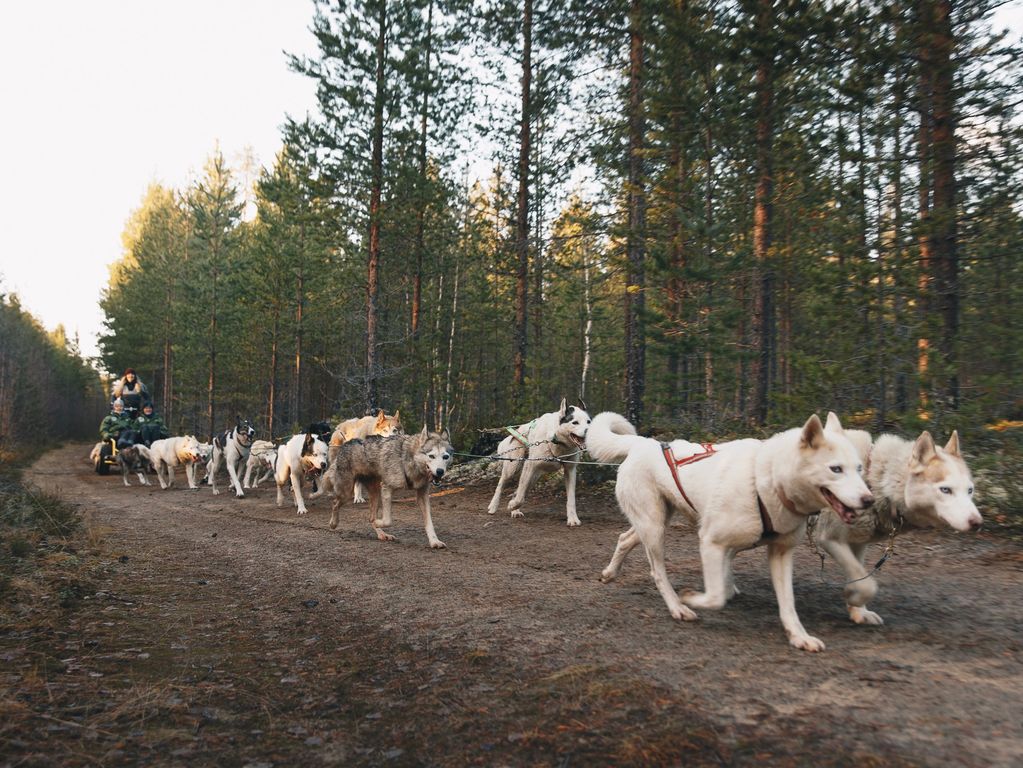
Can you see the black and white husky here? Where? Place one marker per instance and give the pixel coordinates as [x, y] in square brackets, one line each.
[232, 447]
[548, 443]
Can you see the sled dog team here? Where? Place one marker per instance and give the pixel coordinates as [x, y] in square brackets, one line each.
[739, 494]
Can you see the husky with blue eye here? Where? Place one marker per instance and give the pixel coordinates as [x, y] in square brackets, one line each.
[740, 494]
[916, 485]
[386, 464]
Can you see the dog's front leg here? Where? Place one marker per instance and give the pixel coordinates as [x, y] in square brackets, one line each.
[296, 487]
[626, 543]
[212, 474]
[423, 499]
[250, 464]
[862, 587]
[570, 473]
[170, 475]
[526, 480]
[359, 494]
[191, 472]
[779, 556]
[232, 471]
[380, 496]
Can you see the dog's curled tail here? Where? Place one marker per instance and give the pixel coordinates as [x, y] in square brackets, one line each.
[611, 437]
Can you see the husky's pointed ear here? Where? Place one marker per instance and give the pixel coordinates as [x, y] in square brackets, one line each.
[425, 432]
[813, 433]
[445, 435]
[833, 424]
[307, 446]
[564, 406]
[923, 449]
[952, 446]
[397, 417]
[381, 417]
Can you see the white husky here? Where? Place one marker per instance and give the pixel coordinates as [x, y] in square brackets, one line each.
[168, 453]
[557, 435]
[304, 455]
[915, 485]
[740, 493]
[260, 464]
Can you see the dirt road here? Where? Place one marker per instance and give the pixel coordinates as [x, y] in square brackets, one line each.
[227, 631]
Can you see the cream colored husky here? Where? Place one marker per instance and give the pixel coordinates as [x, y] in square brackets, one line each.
[741, 494]
[915, 485]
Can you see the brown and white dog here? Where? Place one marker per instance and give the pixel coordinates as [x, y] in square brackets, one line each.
[380, 425]
[134, 458]
[172, 451]
[304, 455]
[916, 485]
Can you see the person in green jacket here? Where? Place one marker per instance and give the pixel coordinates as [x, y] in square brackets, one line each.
[150, 426]
[116, 422]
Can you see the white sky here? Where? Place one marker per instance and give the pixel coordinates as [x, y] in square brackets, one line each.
[102, 98]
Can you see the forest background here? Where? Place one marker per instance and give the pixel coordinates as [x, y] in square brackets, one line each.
[714, 217]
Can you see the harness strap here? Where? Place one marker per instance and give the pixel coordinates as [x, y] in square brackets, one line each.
[674, 464]
[515, 433]
[765, 520]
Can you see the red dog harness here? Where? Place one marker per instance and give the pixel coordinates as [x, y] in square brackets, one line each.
[674, 464]
[708, 450]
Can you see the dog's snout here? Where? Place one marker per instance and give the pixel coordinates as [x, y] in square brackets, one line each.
[439, 472]
[867, 500]
[976, 523]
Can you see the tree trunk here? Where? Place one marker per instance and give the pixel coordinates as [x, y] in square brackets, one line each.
[376, 183]
[417, 282]
[635, 279]
[296, 395]
[272, 396]
[763, 314]
[945, 232]
[522, 213]
[924, 138]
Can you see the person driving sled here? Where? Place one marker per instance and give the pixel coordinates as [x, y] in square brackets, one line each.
[132, 392]
[115, 423]
[150, 426]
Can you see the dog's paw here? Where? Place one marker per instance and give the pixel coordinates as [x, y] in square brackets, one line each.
[385, 536]
[239, 495]
[573, 522]
[438, 544]
[216, 492]
[863, 616]
[700, 600]
[608, 574]
[681, 613]
[806, 643]
[301, 511]
[517, 513]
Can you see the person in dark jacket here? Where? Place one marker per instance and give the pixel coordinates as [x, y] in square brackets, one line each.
[115, 423]
[150, 426]
[132, 392]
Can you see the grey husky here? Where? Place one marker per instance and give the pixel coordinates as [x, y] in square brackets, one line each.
[384, 464]
[915, 485]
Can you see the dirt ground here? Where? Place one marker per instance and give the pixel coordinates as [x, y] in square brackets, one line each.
[214, 630]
